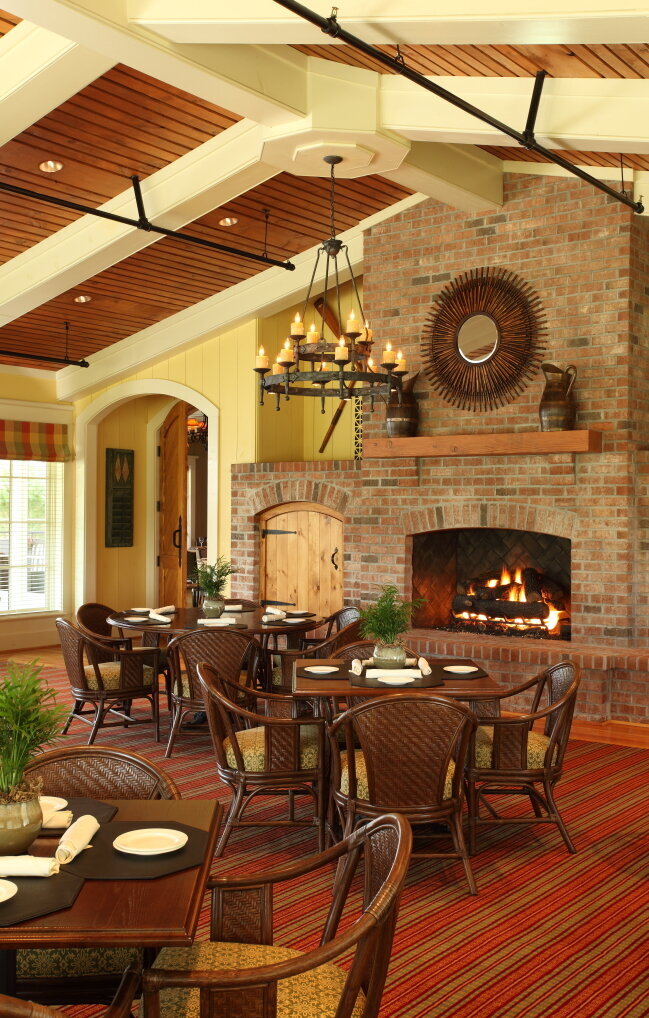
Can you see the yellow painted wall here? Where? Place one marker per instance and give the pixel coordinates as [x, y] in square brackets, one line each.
[121, 572]
[32, 387]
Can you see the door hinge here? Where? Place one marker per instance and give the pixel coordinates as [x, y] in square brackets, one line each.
[157, 561]
[265, 532]
[158, 451]
[158, 506]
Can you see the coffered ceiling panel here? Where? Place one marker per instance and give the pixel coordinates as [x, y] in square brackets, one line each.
[170, 276]
[123, 123]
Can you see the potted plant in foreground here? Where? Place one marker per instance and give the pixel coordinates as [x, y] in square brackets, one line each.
[384, 620]
[211, 579]
[29, 720]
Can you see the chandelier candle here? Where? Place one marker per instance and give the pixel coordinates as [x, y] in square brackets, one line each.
[261, 360]
[297, 327]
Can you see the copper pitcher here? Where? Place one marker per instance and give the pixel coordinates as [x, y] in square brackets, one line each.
[557, 409]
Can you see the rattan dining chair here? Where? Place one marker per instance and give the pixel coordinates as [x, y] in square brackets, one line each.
[261, 750]
[285, 659]
[91, 620]
[242, 971]
[108, 687]
[120, 1007]
[510, 756]
[238, 656]
[87, 974]
[404, 753]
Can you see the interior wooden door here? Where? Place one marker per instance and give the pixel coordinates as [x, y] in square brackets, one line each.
[172, 540]
[301, 557]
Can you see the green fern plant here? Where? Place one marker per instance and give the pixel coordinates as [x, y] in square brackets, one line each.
[30, 718]
[211, 578]
[388, 617]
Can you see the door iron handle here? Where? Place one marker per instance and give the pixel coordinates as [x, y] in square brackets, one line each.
[176, 539]
[333, 558]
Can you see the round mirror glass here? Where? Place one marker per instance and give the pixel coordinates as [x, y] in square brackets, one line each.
[477, 338]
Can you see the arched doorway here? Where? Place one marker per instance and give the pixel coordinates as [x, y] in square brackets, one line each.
[86, 466]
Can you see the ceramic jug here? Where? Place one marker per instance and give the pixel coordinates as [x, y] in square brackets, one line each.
[557, 409]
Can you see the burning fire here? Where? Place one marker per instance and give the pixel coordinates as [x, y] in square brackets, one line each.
[516, 592]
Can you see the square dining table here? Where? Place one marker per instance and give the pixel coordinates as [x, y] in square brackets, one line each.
[160, 912]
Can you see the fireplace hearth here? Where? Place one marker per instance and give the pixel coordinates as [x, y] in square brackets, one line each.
[492, 581]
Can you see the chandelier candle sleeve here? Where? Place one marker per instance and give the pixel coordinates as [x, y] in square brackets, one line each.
[389, 356]
[352, 324]
[261, 361]
[277, 368]
[313, 335]
[297, 327]
[286, 354]
[341, 353]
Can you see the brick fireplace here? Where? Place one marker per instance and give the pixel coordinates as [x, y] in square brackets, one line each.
[588, 259]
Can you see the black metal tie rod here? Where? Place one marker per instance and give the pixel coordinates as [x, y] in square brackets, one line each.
[41, 357]
[142, 223]
[330, 26]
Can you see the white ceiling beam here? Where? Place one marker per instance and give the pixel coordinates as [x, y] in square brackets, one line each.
[594, 114]
[458, 175]
[264, 84]
[201, 180]
[265, 294]
[408, 21]
[39, 71]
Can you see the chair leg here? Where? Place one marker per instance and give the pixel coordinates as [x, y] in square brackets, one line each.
[459, 844]
[556, 816]
[175, 725]
[101, 712]
[473, 804]
[155, 710]
[78, 705]
[233, 815]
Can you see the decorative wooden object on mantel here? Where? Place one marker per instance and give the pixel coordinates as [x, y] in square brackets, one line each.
[501, 444]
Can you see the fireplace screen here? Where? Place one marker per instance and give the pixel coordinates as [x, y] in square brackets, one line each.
[494, 581]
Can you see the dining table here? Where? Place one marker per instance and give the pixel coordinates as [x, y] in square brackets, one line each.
[147, 912]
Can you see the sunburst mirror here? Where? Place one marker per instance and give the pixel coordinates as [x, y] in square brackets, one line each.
[484, 339]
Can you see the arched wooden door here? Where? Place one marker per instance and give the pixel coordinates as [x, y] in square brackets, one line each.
[172, 535]
[301, 559]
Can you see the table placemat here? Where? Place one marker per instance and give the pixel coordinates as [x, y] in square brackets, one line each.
[300, 615]
[39, 896]
[80, 806]
[229, 625]
[423, 682]
[103, 862]
[437, 665]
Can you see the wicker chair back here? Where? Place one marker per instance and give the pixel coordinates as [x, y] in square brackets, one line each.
[102, 774]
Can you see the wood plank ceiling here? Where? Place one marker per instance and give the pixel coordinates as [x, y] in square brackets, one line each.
[128, 123]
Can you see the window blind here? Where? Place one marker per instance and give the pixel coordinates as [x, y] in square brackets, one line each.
[31, 535]
[31, 440]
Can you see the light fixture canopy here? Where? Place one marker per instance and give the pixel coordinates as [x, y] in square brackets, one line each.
[50, 166]
[228, 221]
[82, 298]
[341, 369]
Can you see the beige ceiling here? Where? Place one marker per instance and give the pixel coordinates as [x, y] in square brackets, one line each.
[241, 127]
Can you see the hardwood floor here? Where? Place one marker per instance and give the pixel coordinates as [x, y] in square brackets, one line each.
[612, 733]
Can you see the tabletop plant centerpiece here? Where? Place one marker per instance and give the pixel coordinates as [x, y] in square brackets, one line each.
[29, 720]
[384, 620]
[211, 579]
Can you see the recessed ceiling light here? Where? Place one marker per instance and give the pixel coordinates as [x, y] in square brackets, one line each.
[228, 221]
[83, 298]
[50, 166]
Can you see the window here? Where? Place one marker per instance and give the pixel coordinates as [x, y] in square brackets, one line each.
[31, 536]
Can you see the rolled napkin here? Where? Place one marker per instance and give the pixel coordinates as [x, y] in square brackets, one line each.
[356, 666]
[27, 866]
[160, 619]
[233, 608]
[76, 838]
[273, 616]
[424, 667]
[56, 817]
[167, 609]
[220, 621]
[270, 610]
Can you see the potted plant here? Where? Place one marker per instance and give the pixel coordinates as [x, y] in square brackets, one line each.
[211, 579]
[384, 620]
[29, 720]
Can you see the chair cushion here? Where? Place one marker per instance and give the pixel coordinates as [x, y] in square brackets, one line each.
[251, 744]
[109, 671]
[362, 789]
[313, 994]
[64, 962]
[537, 745]
[277, 679]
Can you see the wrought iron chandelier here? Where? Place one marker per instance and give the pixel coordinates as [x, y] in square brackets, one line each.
[310, 365]
[197, 428]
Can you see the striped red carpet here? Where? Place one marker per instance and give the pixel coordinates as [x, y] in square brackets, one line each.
[549, 935]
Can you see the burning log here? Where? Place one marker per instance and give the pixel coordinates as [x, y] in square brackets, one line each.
[500, 609]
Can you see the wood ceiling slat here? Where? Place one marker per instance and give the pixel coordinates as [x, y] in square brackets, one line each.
[169, 276]
[612, 159]
[578, 61]
[7, 22]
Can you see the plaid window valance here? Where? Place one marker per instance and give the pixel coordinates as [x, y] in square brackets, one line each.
[26, 440]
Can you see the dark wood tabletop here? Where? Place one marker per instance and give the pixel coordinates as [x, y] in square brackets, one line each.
[114, 913]
[185, 619]
[339, 685]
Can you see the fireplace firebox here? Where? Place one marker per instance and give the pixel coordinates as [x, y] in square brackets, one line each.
[500, 582]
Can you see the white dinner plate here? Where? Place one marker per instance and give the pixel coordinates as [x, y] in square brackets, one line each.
[390, 680]
[7, 890]
[460, 669]
[52, 802]
[298, 614]
[321, 669]
[141, 611]
[291, 621]
[150, 841]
